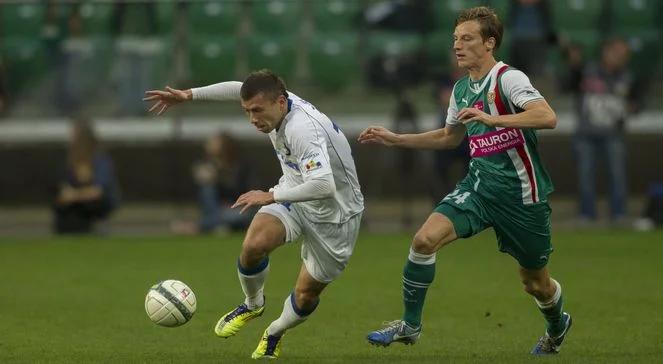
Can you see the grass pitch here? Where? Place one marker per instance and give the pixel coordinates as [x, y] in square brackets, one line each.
[71, 300]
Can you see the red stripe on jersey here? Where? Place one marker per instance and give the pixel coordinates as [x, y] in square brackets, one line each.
[501, 109]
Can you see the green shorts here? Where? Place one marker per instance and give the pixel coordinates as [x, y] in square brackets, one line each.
[523, 231]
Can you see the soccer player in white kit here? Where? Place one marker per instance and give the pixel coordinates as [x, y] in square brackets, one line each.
[318, 199]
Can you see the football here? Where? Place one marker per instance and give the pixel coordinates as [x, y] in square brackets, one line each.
[170, 303]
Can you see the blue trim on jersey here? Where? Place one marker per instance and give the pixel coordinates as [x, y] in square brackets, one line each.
[336, 127]
[289, 104]
[292, 165]
[255, 270]
[299, 311]
[286, 205]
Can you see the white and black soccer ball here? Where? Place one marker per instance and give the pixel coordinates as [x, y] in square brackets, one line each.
[170, 303]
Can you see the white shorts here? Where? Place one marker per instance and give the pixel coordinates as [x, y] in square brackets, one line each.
[326, 247]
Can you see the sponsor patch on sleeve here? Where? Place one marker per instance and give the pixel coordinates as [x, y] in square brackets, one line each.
[312, 165]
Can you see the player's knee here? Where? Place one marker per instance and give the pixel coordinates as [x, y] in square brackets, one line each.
[534, 287]
[306, 298]
[255, 248]
[425, 243]
[422, 243]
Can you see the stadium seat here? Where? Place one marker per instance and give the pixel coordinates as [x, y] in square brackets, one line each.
[576, 14]
[276, 16]
[275, 53]
[645, 49]
[22, 19]
[96, 18]
[166, 16]
[212, 59]
[439, 48]
[588, 40]
[447, 11]
[214, 17]
[333, 60]
[25, 61]
[630, 14]
[335, 15]
[393, 43]
[501, 7]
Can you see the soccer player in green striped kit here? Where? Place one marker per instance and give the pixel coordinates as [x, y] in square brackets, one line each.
[506, 187]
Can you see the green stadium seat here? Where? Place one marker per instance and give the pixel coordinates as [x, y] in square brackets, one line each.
[333, 60]
[275, 53]
[212, 59]
[577, 14]
[22, 19]
[214, 17]
[446, 11]
[393, 43]
[166, 16]
[502, 8]
[631, 14]
[439, 48]
[276, 16]
[645, 50]
[335, 15]
[96, 18]
[588, 40]
[25, 61]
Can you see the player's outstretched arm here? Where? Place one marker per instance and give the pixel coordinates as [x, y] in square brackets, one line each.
[446, 138]
[164, 99]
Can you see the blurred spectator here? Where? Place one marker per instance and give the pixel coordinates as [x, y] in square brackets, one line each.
[221, 177]
[406, 120]
[74, 73]
[135, 26]
[531, 33]
[88, 189]
[605, 96]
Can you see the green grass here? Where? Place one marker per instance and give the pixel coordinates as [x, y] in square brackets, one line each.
[70, 300]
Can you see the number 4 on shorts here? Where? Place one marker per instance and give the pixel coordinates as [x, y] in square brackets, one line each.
[458, 198]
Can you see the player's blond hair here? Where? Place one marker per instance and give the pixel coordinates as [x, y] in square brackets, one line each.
[490, 23]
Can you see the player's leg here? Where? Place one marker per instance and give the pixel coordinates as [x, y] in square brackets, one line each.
[523, 231]
[296, 309]
[418, 274]
[458, 215]
[547, 294]
[270, 228]
[326, 251]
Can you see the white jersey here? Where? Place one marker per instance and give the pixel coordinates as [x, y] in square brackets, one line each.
[309, 144]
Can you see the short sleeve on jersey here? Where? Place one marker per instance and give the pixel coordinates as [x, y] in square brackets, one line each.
[452, 111]
[517, 87]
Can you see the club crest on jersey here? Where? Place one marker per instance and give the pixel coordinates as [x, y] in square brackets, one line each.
[491, 97]
[312, 165]
[478, 105]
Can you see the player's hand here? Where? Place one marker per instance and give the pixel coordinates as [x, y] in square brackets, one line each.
[470, 114]
[165, 99]
[253, 198]
[378, 135]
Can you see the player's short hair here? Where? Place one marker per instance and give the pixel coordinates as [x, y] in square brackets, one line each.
[490, 24]
[263, 81]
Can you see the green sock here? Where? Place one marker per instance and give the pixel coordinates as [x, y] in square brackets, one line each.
[552, 312]
[417, 276]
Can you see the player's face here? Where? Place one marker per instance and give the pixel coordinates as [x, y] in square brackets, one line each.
[471, 51]
[265, 114]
